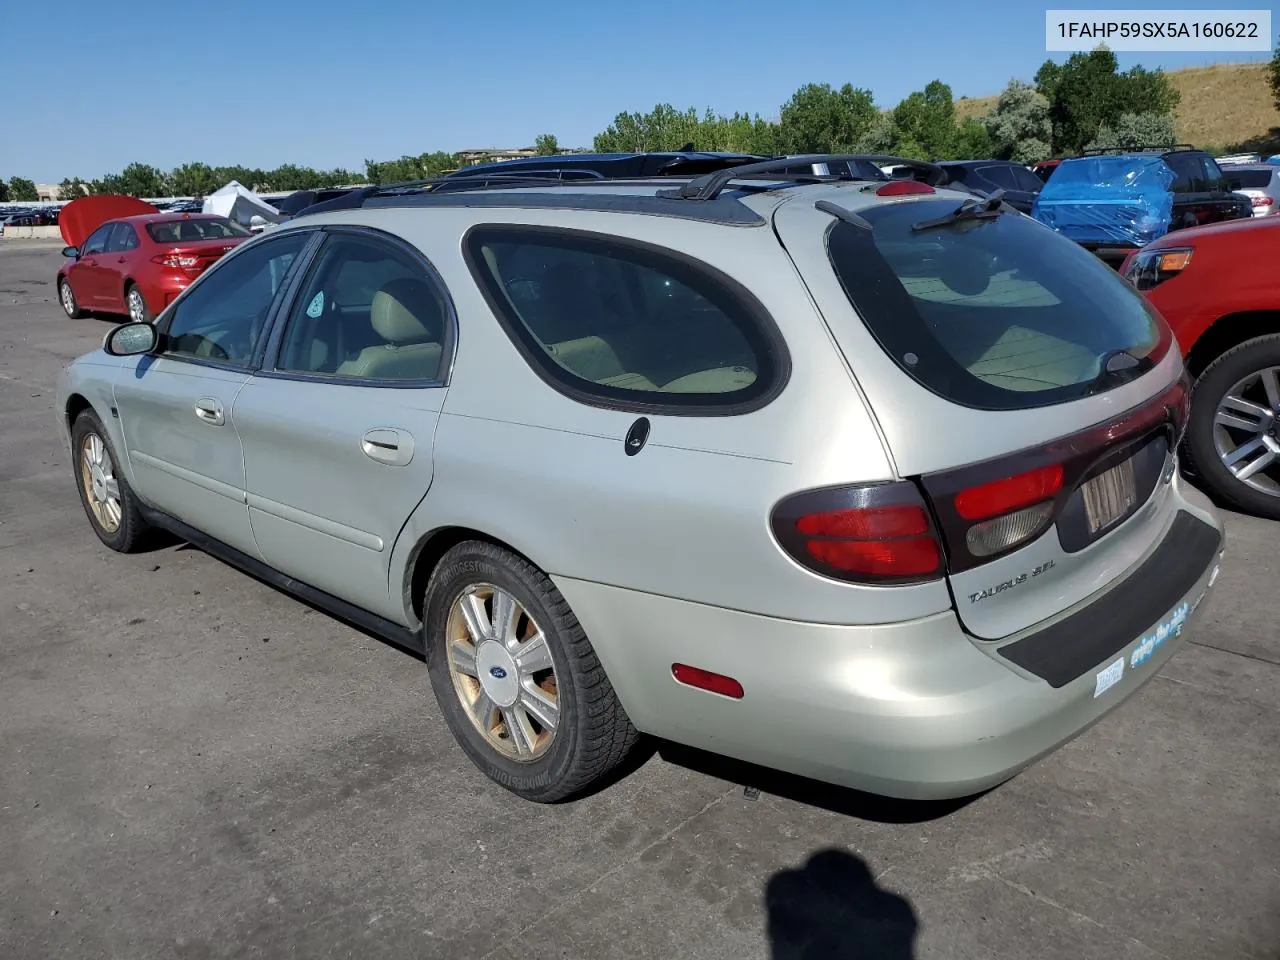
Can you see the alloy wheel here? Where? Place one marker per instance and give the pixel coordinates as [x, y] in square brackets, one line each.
[502, 671]
[1246, 430]
[137, 306]
[68, 299]
[101, 489]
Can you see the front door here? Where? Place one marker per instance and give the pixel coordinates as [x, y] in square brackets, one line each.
[176, 405]
[89, 275]
[339, 424]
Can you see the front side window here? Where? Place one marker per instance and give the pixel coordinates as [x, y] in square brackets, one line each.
[97, 242]
[626, 323]
[999, 314]
[223, 316]
[1214, 178]
[1188, 174]
[366, 310]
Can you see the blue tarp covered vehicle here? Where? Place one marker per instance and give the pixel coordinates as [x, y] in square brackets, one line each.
[1115, 200]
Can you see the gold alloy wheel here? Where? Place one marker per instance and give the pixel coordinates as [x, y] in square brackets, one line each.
[101, 489]
[502, 671]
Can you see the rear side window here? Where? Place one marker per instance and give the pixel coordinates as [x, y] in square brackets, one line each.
[1252, 179]
[628, 324]
[998, 314]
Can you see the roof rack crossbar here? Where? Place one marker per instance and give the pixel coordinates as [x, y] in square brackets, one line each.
[709, 186]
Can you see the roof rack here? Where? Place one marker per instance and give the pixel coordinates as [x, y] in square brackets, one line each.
[356, 198]
[1141, 148]
[709, 186]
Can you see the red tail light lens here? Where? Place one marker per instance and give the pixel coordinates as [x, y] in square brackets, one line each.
[1009, 494]
[878, 534]
[1262, 202]
[902, 188]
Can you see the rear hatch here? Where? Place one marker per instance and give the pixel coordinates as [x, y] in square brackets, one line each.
[1030, 393]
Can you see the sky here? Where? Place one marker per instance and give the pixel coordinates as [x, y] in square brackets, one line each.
[89, 86]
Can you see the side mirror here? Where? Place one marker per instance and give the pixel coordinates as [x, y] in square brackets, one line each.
[70, 252]
[130, 340]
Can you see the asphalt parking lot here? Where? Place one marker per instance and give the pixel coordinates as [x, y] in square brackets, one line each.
[194, 765]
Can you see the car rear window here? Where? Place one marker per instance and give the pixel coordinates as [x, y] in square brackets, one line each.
[628, 324]
[179, 231]
[1251, 178]
[998, 313]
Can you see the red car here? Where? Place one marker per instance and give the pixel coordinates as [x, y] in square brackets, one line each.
[138, 265]
[1219, 288]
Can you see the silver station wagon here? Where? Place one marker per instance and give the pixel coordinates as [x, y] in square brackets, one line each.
[872, 482]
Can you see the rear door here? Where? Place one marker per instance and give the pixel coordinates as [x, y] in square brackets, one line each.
[983, 346]
[339, 424]
[117, 264]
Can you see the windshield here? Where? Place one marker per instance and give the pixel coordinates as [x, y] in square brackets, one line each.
[1251, 178]
[997, 312]
[183, 230]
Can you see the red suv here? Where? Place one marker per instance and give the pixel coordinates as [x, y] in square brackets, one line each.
[1218, 287]
[138, 265]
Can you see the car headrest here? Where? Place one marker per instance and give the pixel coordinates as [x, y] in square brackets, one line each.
[406, 311]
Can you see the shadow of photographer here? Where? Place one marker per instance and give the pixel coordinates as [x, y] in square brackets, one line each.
[832, 909]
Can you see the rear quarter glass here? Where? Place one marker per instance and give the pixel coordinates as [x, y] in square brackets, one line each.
[995, 314]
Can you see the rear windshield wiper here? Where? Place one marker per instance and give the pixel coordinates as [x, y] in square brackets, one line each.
[975, 209]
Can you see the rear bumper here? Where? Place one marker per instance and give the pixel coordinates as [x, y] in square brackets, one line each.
[915, 710]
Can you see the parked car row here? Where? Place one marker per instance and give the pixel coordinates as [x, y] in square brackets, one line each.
[867, 479]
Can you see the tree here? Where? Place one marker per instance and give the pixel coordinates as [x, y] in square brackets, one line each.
[22, 189]
[1087, 91]
[1019, 126]
[72, 188]
[820, 119]
[4, 191]
[1274, 72]
[971, 142]
[422, 167]
[662, 128]
[882, 136]
[1133, 130]
[193, 180]
[546, 145]
[928, 118]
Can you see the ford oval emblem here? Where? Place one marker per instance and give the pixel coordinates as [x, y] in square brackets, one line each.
[497, 673]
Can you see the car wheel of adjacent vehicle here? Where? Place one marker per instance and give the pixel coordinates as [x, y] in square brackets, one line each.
[137, 304]
[516, 677]
[67, 297]
[112, 508]
[1233, 436]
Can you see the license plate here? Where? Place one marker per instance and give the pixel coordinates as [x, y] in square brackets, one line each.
[1109, 496]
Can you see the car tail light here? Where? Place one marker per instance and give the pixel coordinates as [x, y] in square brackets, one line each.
[178, 261]
[876, 534]
[706, 680]
[1008, 494]
[901, 188]
[1262, 202]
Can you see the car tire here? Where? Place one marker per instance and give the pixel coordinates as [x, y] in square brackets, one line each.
[1224, 375]
[116, 519]
[592, 734]
[67, 297]
[138, 311]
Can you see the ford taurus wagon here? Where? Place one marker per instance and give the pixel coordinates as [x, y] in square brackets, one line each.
[872, 482]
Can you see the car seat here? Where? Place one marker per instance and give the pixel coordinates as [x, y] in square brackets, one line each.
[407, 315]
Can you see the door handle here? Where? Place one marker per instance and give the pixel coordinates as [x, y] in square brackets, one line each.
[210, 411]
[387, 445]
